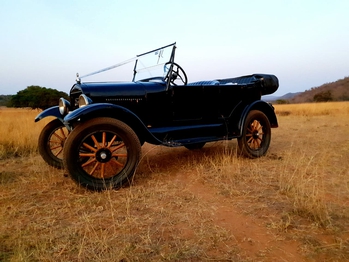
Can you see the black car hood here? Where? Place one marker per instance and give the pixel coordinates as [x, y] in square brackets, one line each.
[110, 89]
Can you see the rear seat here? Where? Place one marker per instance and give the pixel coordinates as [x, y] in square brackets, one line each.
[204, 83]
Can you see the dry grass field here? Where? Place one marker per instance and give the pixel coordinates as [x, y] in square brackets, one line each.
[200, 205]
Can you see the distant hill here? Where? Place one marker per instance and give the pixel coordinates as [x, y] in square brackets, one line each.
[287, 96]
[336, 91]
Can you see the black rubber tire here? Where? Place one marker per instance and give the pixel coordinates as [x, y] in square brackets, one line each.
[51, 142]
[195, 146]
[102, 153]
[256, 135]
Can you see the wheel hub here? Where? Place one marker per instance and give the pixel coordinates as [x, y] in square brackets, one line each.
[103, 155]
[255, 134]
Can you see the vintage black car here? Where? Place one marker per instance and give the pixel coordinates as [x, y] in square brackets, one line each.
[98, 134]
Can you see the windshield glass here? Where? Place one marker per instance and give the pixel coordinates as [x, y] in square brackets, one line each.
[152, 64]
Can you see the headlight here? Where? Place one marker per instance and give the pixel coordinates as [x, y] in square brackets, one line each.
[84, 100]
[64, 106]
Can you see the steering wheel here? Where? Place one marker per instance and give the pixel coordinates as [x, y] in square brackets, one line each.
[177, 73]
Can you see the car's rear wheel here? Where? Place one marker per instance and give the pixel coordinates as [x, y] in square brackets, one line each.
[256, 135]
[102, 153]
[51, 142]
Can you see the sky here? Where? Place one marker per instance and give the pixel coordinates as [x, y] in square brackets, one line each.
[305, 43]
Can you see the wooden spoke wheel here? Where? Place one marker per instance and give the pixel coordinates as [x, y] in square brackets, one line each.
[51, 143]
[256, 135]
[102, 153]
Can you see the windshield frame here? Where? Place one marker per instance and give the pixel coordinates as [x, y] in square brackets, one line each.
[154, 70]
[162, 72]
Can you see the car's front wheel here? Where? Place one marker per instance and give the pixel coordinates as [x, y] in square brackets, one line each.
[102, 153]
[256, 135]
[51, 142]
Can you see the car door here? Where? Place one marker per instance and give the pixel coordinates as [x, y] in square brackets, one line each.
[187, 103]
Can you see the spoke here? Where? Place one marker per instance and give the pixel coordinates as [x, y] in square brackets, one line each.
[258, 142]
[59, 151]
[95, 141]
[102, 170]
[89, 162]
[94, 168]
[250, 139]
[89, 147]
[86, 154]
[60, 138]
[55, 147]
[181, 78]
[103, 139]
[111, 142]
[55, 142]
[252, 144]
[117, 162]
[117, 147]
[257, 125]
[120, 155]
[62, 133]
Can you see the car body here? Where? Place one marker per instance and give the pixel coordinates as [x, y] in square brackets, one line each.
[101, 129]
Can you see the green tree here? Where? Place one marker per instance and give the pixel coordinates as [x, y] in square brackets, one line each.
[37, 97]
[5, 100]
[324, 96]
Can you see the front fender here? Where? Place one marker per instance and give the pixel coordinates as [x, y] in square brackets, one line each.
[123, 114]
[52, 111]
[262, 106]
[94, 110]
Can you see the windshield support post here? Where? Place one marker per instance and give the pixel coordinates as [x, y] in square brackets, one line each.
[171, 67]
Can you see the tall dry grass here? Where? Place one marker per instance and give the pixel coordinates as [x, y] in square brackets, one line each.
[188, 205]
[313, 109]
[18, 132]
[310, 163]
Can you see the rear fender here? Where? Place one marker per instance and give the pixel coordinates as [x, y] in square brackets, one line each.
[123, 114]
[262, 106]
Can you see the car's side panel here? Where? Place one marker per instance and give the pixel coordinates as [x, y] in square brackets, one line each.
[181, 135]
[174, 135]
